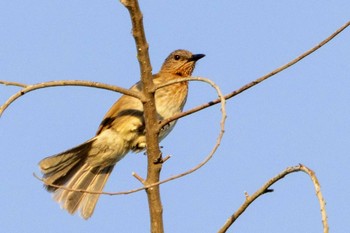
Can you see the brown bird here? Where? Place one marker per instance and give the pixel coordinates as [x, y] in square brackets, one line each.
[88, 166]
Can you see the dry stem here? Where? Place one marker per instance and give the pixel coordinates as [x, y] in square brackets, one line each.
[29, 88]
[8, 83]
[262, 78]
[265, 189]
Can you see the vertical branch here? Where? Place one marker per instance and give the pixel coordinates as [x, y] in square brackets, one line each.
[153, 151]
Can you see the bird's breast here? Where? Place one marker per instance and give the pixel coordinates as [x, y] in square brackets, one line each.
[171, 99]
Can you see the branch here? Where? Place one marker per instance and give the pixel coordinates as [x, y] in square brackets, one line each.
[319, 196]
[150, 115]
[6, 83]
[261, 79]
[222, 124]
[29, 88]
[265, 189]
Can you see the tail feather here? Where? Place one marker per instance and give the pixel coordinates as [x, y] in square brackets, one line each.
[89, 179]
[88, 203]
[70, 200]
[70, 169]
[59, 169]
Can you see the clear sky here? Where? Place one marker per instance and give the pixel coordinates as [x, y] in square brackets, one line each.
[299, 116]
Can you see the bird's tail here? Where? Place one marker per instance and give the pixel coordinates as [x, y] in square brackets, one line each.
[70, 170]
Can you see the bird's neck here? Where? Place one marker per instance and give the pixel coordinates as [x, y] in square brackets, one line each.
[173, 75]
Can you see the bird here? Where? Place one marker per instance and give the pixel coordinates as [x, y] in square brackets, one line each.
[89, 165]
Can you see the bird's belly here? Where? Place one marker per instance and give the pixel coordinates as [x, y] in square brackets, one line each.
[108, 148]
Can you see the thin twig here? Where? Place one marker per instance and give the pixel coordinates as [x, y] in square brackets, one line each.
[222, 124]
[265, 189]
[92, 192]
[319, 195]
[17, 84]
[259, 80]
[201, 79]
[138, 177]
[29, 88]
[166, 158]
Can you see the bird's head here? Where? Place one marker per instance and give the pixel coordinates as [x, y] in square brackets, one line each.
[180, 62]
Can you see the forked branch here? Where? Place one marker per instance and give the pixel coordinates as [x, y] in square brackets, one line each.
[265, 189]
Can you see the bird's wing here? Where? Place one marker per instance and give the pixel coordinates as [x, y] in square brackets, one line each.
[119, 114]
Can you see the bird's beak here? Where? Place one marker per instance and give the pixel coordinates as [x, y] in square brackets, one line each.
[196, 57]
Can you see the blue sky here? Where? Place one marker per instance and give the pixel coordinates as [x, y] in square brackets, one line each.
[299, 116]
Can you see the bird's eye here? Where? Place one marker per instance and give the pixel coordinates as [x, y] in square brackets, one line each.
[176, 57]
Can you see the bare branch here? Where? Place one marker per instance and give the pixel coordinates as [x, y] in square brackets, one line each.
[265, 189]
[222, 124]
[138, 177]
[166, 158]
[319, 196]
[29, 88]
[7, 83]
[167, 121]
[261, 79]
[150, 116]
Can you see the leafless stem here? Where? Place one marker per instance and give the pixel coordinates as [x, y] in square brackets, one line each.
[265, 189]
[166, 158]
[222, 124]
[7, 83]
[319, 196]
[29, 88]
[259, 80]
[138, 177]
